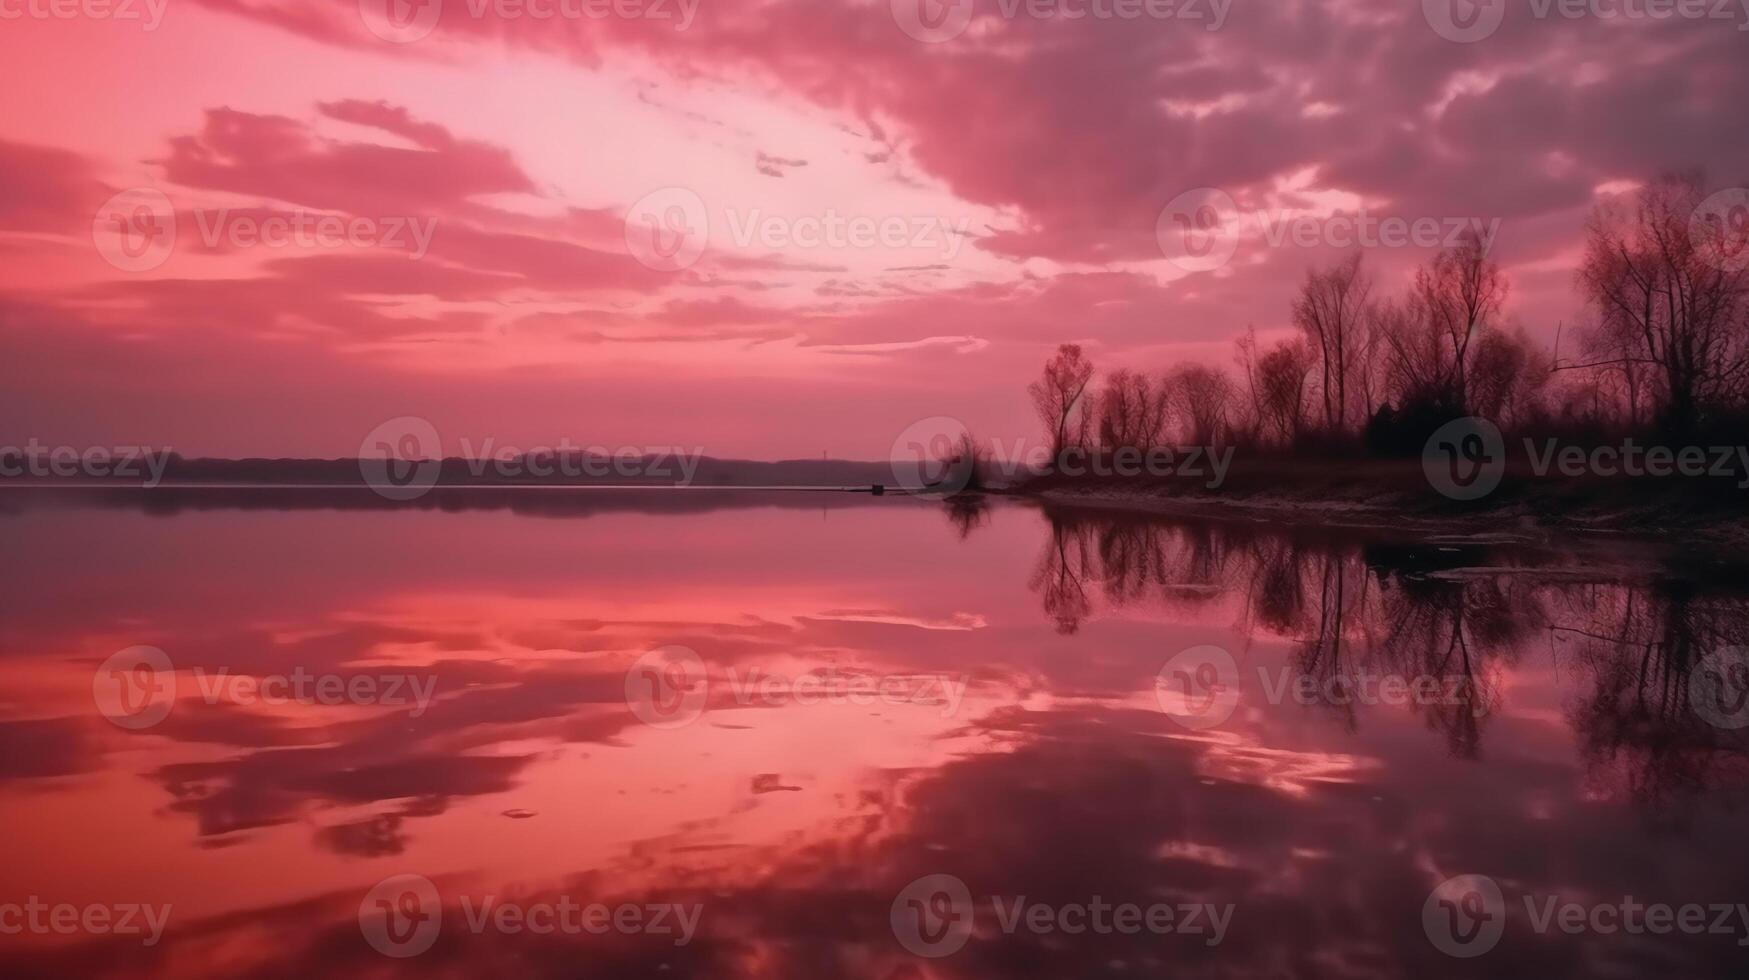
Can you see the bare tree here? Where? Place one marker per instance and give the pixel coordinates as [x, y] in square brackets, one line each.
[1507, 377]
[1665, 302]
[1060, 397]
[1281, 387]
[1202, 396]
[1331, 310]
[1415, 363]
[1132, 411]
[1460, 293]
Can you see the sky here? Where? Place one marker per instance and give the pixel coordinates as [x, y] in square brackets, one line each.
[770, 228]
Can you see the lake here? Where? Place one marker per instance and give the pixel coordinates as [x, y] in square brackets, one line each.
[721, 733]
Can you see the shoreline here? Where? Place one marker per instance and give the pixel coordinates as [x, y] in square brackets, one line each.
[1394, 495]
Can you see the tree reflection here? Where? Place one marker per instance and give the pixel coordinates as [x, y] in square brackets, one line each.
[1640, 736]
[1460, 615]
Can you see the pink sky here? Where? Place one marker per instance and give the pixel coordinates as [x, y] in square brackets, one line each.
[1025, 164]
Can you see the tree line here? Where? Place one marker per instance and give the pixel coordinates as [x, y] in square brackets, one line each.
[1663, 354]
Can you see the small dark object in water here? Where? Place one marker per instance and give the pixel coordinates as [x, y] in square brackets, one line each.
[879, 490]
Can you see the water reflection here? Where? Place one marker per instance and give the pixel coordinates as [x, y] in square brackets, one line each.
[1469, 612]
[1569, 733]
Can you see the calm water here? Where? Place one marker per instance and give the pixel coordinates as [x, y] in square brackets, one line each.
[875, 738]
